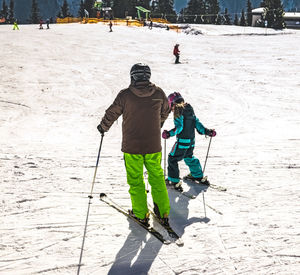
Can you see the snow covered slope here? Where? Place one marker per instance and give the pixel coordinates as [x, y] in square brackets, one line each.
[55, 86]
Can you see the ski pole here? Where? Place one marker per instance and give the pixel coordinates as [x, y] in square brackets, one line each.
[165, 158]
[88, 210]
[203, 174]
[207, 155]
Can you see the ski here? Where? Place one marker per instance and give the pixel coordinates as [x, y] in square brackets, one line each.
[172, 187]
[178, 241]
[204, 181]
[151, 230]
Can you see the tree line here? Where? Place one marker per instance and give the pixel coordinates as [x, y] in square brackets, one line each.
[196, 11]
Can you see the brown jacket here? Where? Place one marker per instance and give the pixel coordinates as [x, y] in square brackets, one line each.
[144, 107]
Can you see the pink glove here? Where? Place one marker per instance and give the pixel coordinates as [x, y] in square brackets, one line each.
[210, 132]
[165, 134]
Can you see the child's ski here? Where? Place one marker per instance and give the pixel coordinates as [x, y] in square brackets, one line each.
[204, 181]
[179, 190]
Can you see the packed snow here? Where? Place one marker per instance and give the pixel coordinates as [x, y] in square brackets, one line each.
[55, 86]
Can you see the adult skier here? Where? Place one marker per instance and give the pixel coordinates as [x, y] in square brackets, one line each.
[144, 107]
[176, 52]
[16, 27]
[48, 23]
[151, 24]
[185, 124]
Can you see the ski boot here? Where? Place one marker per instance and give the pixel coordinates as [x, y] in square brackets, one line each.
[162, 220]
[202, 180]
[175, 185]
[144, 221]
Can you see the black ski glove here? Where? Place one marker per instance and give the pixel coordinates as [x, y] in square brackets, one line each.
[210, 132]
[100, 129]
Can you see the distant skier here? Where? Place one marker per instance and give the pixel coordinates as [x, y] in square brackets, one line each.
[185, 124]
[151, 25]
[144, 107]
[41, 24]
[48, 23]
[176, 52]
[16, 27]
[110, 26]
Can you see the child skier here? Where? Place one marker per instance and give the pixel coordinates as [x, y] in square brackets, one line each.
[185, 124]
[176, 52]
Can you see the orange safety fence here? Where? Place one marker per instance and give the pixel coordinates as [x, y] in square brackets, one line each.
[68, 20]
[116, 21]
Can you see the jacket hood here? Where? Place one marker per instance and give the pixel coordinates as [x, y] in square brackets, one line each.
[188, 109]
[142, 89]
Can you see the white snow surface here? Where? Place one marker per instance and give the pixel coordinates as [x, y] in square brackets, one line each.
[55, 86]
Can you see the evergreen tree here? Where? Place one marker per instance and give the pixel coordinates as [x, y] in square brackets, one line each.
[65, 10]
[249, 13]
[213, 10]
[131, 7]
[274, 13]
[144, 3]
[120, 7]
[166, 7]
[227, 20]
[268, 16]
[218, 20]
[194, 10]
[182, 17]
[278, 15]
[89, 5]
[11, 12]
[34, 19]
[243, 19]
[106, 3]
[236, 20]
[4, 11]
[81, 9]
[154, 6]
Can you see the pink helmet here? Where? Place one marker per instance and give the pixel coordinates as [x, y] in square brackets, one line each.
[174, 98]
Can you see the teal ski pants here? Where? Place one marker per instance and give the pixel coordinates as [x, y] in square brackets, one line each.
[187, 154]
[134, 164]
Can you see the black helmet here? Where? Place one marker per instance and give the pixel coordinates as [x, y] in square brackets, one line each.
[140, 72]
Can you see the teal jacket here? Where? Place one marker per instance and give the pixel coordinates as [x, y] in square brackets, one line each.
[185, 125]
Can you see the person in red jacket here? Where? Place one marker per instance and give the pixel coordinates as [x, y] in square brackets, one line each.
[176, 52]
[41, 24]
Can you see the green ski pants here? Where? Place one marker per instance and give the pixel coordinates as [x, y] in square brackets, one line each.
[134, 164]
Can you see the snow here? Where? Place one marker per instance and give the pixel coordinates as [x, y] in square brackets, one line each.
[55, 86]
[292, 15]
[258, 10]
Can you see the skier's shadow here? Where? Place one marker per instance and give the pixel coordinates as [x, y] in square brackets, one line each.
[179, 213]
[137, 254]
[139, 250]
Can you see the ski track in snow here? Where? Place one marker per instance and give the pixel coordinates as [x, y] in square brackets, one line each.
[55, 86]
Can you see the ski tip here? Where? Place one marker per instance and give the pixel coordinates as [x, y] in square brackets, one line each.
[102, 195]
